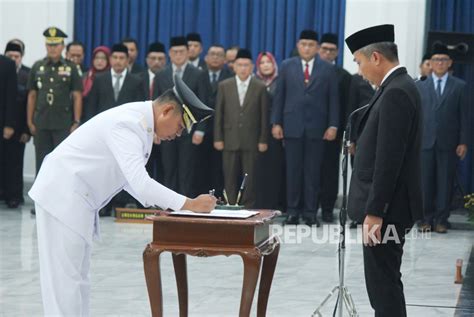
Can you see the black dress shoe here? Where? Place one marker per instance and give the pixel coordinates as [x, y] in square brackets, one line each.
[328, 217]
[353, 225]
[292, 220]
[312, 220]
[14, 203]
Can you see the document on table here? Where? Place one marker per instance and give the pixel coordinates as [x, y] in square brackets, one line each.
[218, 213]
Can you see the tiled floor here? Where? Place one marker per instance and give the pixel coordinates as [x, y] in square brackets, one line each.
[306, 272]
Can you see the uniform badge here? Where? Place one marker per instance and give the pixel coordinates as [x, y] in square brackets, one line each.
[39, 84]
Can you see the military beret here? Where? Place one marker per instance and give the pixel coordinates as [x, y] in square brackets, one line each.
[374, 34]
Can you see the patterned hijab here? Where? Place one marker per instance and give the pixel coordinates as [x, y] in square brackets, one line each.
[267, 79]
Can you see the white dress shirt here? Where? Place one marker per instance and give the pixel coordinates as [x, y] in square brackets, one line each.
[242, 87]
[122, 79]
[310, 65]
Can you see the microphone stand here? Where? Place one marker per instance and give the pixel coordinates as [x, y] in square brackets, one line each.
[343, 295]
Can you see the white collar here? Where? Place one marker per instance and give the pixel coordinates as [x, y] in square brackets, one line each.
[239, 82]
[124, 73]
[390, 72]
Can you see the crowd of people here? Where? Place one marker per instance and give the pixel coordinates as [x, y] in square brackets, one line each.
[282, 125]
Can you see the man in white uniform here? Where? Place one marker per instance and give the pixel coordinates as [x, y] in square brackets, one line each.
[102, 157]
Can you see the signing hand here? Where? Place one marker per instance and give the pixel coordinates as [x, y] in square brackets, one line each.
[25, 138]
[202, 203]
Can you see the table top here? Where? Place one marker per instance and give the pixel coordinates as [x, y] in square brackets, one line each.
[264, 216]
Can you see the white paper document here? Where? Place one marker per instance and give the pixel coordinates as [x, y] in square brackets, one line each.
[218, 213]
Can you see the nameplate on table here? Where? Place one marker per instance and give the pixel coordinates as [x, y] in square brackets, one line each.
[218, 213]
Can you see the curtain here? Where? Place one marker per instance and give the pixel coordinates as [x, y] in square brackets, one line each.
[272, 25]
[458, 16]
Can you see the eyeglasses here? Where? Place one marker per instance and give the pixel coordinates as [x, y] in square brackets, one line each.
[328, 49]
[440, 60]
[215, 54]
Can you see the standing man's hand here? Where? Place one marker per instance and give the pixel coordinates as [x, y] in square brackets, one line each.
[8, 132]
[197, 138]
[219, 146]
[32, 128]
[372, 230]
[330, 134]
[461, 151]
[74, 126]
[262, 147]
[277, 131]
[202, 203]
[25, 138]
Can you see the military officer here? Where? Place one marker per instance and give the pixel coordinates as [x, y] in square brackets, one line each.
[54, 97]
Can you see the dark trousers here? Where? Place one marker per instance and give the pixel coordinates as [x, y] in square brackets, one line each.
[205, 169]
[271, 178]
[382, 274]
[235, 165]
[304, 157]
[46, 140]
[12, 152]
[178, 158]
[330, 176]
[438, 171]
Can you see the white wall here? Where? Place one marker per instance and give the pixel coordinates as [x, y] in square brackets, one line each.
[408, 16]
[26, 20]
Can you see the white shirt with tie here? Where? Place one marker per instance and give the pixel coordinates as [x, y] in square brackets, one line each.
[242, 87]
[114, 77]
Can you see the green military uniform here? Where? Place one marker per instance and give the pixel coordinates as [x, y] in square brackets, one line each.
[54, 108]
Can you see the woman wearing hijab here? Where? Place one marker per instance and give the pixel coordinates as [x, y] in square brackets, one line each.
[100, 63]
[271, 171]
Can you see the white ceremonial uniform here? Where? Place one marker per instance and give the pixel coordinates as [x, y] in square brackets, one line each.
[105, 155]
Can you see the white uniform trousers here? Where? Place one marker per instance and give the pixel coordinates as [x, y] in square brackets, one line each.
[64, 258]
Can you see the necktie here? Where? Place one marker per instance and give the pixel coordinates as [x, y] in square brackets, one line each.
[242, 93]
[179, 72]
[151, 88]
[306, 74]
[214, 77]
[117, 85]
[438, 88]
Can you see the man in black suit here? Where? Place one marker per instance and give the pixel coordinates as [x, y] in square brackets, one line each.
[328, 52]
[15, 146]
[8, 114]
[445, 137]
[155, 61]
[179, 156]
[132, 47]
[385, 190]
[114, 87]
[195, 50]
[75, 52]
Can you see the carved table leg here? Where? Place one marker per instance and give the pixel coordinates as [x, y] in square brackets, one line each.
[151, 262]
[268, 269]
[251, 270]
[179, 263]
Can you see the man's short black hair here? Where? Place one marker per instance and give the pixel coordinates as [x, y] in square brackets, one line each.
[76, 43]
[130, 40]
[168, 97]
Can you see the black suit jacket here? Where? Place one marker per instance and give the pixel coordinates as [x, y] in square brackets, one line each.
[137, 68]
[360, 93]
[194, 78]
[101, 97]
[8, 93]
[344, 80]
[386, 179]
[22, 101]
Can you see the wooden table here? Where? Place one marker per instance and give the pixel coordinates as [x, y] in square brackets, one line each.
[249, 238]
